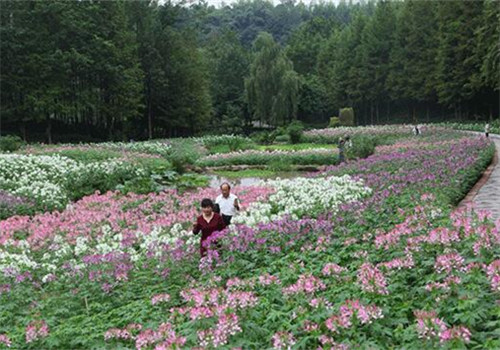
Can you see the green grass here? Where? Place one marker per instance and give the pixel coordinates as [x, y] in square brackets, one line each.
[245, 173]
[296, 147]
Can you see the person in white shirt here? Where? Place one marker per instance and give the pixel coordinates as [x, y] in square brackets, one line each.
[228, 203]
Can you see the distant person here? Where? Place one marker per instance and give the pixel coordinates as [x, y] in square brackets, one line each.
[487, 130]
[208, 223]
[341, 146]
[227, 202]
[348, 142]
[416, 130]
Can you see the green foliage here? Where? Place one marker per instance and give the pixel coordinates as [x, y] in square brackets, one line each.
[257, 173]
[10, 143]
[334, 122]
[264, 137]
[295, 130]
[362, 146]
[346, 117]
[296, 147]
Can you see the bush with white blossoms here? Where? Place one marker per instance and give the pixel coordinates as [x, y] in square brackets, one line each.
[303, 197]
[151, 147]
[46, 179]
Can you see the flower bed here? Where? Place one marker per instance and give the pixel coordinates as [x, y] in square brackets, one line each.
[47, 182]
[331, 135]
[397, 268]
[254, 157]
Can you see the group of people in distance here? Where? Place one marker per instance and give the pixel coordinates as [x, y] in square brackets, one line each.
[216, 216]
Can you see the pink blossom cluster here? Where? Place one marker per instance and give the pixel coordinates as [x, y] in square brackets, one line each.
[227, 325]
[305, 284]
[444, 236]
[429, 326]
[317, 302]
[160, 298]
[445, 285]
[36, 330]
[371, 279]
[455, 332]
[122, 333]
[399, 263]
[449, 262]
[219, 299]
[332, 269]
[237, 283]
[164, 337]
[364, 313]
[283, 340]
[393, 237]
[267, 279]
[4, 339]
[493, 273]
[330, 343]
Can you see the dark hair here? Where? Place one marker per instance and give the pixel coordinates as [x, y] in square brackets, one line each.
[225, 183]
[207, 202]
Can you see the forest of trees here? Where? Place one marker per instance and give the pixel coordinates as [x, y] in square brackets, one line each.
[116, 70]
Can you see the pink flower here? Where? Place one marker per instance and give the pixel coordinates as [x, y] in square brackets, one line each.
[428, 325]
[36, 330]
[4, 339]
[283, 340]
[449, 262]
[160, 298]
[332, 268]
[305, 284]
[455, 332]
[371, 279]
[268, 279]
[493, 273]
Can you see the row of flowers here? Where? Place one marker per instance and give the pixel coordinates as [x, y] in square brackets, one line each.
[254, 157]
[331, 135]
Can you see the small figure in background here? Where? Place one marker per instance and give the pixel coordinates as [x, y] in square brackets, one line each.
[341, 146]
[487, 130]
[416, 130]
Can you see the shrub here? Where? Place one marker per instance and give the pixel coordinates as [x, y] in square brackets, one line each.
[282, 138]
[264, 137]
[362, 147]
[295, 130]
[181, 158]
[334, 122]
[10, 143]
[346, 116]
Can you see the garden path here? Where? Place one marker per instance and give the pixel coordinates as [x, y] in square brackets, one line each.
[488, 196]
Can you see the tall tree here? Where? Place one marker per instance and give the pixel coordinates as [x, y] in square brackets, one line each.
[272, 87]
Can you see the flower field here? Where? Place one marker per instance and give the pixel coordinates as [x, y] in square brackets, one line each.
[368, 254]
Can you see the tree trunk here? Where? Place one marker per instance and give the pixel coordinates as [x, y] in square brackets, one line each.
[371, 112]
[388, 111]
[23, 130]
[49, 129]
[378, 116]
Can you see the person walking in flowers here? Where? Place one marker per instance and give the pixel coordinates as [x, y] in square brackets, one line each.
[228, 203]
[208, 223]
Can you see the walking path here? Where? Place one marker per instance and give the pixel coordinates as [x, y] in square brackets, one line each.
[486, 193]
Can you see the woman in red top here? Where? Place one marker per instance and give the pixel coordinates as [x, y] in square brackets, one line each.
[208, 222]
